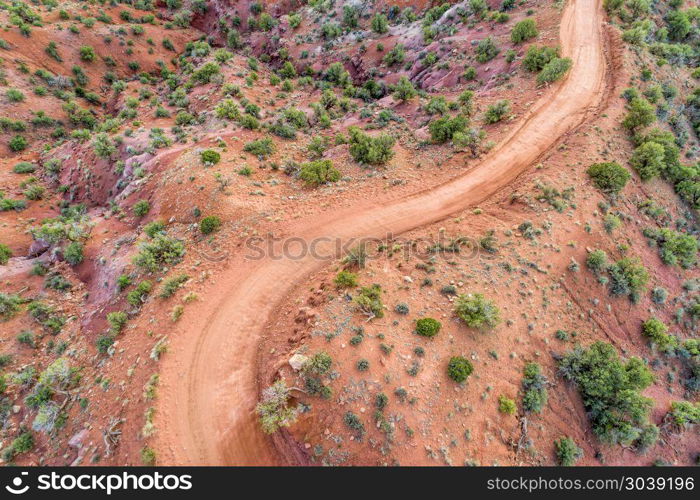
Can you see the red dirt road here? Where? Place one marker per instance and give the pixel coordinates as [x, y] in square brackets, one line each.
[209, 379]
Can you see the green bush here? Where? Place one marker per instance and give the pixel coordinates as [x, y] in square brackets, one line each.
[486, 50]
[87, 53]
[261, 147]
[675, 248]
[117, 321]
[477, 311]
[628, 277]
[5, 254]
[138, 295]
[684, 414]
[396, 55]
[14, 95]
[459, 368]
[141, 208]
[369, 301]
[648, 160]
[9, 305]
[611, 391]
[345, 279]
[24, 167]
[536, 58]
[568, 453]
[209, 224]
[444, 129]
[609, 177]
[597, 261]
[524, 30]
[73, 253]
[318, 172]
[641, 113]
[534, 388]
[495, 112]
[161, 250]
[657, 331]
[354, 423]
[370, 150]
[380, 24]
[17, 143]
[404, 90]
[172, 285]
[427, 327]
[506, 405]
[210, 157]
[554, 70]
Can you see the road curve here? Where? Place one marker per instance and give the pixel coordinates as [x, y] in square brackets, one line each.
[205, 413]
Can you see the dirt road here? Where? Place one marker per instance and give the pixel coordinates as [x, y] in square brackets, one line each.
[208, 389]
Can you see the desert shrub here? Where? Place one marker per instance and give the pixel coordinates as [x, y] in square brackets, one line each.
[495, 112]
[477, 311]
[628, 277]
[261, 147]
[506, 405]
[648, 160]
[427, 327]
[486, 50]
[459, 368]
[17, 143]
[554, 70]
[14, 95]
[5, 254]
[396, 55]
[536, 58]
[534, 388]
[469, 73]
[356, 256]
[117, 321]
[657, 331]
[611, 391]
[524, 30]
[568, 453]
[597, 261]
[138, 295]
[9, 305]
[404, 90]
[24, 167]
[209, 224]
[274, 410]
[370, 150]
[609, 177]
[206, 72]
[318, 364]
[141, 208]
[210, 157]
[683, 414]
[73, 253]
[674, 248]
[87, 53]
[21, 444]
[345, 279]
[172, 285]
[369, 301]
[354, 423]
[318, 172]
[443, 129]
[159, 251]
[227, 109]
[379, 24]
[641, 113]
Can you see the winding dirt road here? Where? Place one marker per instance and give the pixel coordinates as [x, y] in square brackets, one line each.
[208, 381]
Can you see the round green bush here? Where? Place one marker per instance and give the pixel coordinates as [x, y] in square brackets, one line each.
[459, 368]
[209, 156]
[427, 327]
[209, 224]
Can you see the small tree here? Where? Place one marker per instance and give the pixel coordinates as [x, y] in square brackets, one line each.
[370, 150]
[641, 113]
[319, 172]
[380, 24]
[495, 112]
